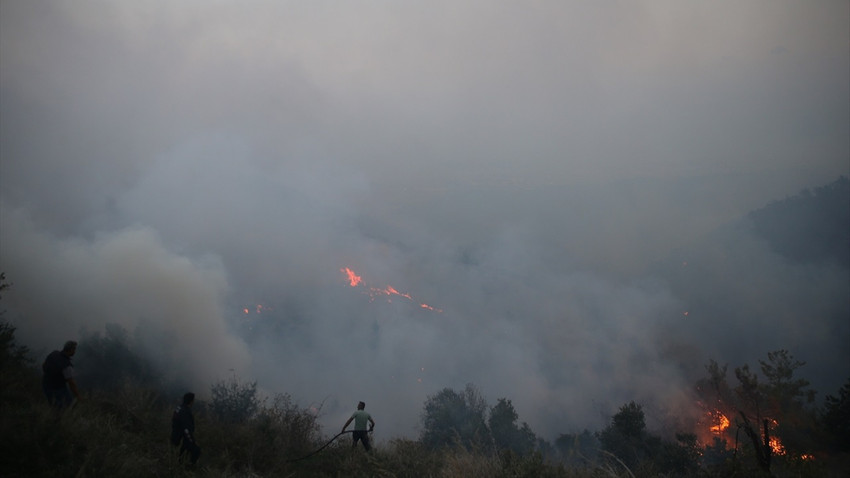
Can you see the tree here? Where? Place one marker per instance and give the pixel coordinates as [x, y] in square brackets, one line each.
[15, 368]
[628, 439]
[451, 417]
[811, 226]
[771, 409]
[3, 286]
[681, 457]
[784, 393]
[715, 388]
[506, 434]
[10, 352]
[14, 360]
[625, 436]
[836, 417]
[749, 391]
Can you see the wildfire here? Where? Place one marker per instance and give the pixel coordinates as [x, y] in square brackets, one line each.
[776, 446]
[389, 291]
[721, 423]
[712, 425]
[353, 278]
[716, 425]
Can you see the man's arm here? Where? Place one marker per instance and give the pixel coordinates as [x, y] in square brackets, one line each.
[347, 423]
[68, 373]
[372, 422]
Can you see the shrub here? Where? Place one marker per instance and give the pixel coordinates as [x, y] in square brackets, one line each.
[233, 401]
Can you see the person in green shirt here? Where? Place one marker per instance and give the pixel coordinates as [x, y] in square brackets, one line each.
[360, 417]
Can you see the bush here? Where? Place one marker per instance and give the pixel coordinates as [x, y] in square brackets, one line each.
[233, 401]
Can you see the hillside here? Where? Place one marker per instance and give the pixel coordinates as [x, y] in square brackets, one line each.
[812, 226]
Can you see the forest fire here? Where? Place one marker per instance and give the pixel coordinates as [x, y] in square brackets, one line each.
[389, 291]
[776, 446]
[721, 423]
[716, 426]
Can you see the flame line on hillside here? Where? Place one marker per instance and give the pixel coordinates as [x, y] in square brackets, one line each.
[355, 280]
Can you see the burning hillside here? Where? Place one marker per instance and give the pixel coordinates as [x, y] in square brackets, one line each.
[389, 292]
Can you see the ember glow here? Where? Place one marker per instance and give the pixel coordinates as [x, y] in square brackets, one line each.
[258, 309]
[389, 291]
[776, 446]
[713, 424]
[721, 423]
[353, 278]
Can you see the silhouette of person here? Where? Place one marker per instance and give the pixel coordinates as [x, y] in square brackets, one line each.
[58, 377]
[183, 428]
[360, 417]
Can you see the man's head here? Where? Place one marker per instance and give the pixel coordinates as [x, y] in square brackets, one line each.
[70, 348]
[188, 398]
[361, 406]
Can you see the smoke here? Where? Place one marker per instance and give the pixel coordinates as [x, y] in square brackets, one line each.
[568, 345]
[569, 197]
[65, 286]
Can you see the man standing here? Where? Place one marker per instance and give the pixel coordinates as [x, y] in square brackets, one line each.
[183, 428]
[59, 376]
[360, 417]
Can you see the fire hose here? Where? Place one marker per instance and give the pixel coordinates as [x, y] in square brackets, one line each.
[323, 446]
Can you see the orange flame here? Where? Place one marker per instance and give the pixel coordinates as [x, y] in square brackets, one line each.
[721, 423]
[712, 425]
[355, 280]
[776, 446]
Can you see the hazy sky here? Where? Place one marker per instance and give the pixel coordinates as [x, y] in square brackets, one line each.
[561, 179]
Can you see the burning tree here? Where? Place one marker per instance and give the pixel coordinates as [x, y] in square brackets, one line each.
[773, 413]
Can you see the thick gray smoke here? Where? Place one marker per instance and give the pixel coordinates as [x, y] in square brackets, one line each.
[565, 185]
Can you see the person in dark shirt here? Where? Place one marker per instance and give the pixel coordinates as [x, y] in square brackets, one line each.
[183, 428]
[58, 377]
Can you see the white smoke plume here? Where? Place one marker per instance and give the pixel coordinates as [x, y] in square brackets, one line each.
[566, 184]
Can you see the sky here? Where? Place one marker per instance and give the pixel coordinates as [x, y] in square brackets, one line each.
[563, 182]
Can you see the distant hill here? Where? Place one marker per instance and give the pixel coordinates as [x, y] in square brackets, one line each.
[811, 227]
